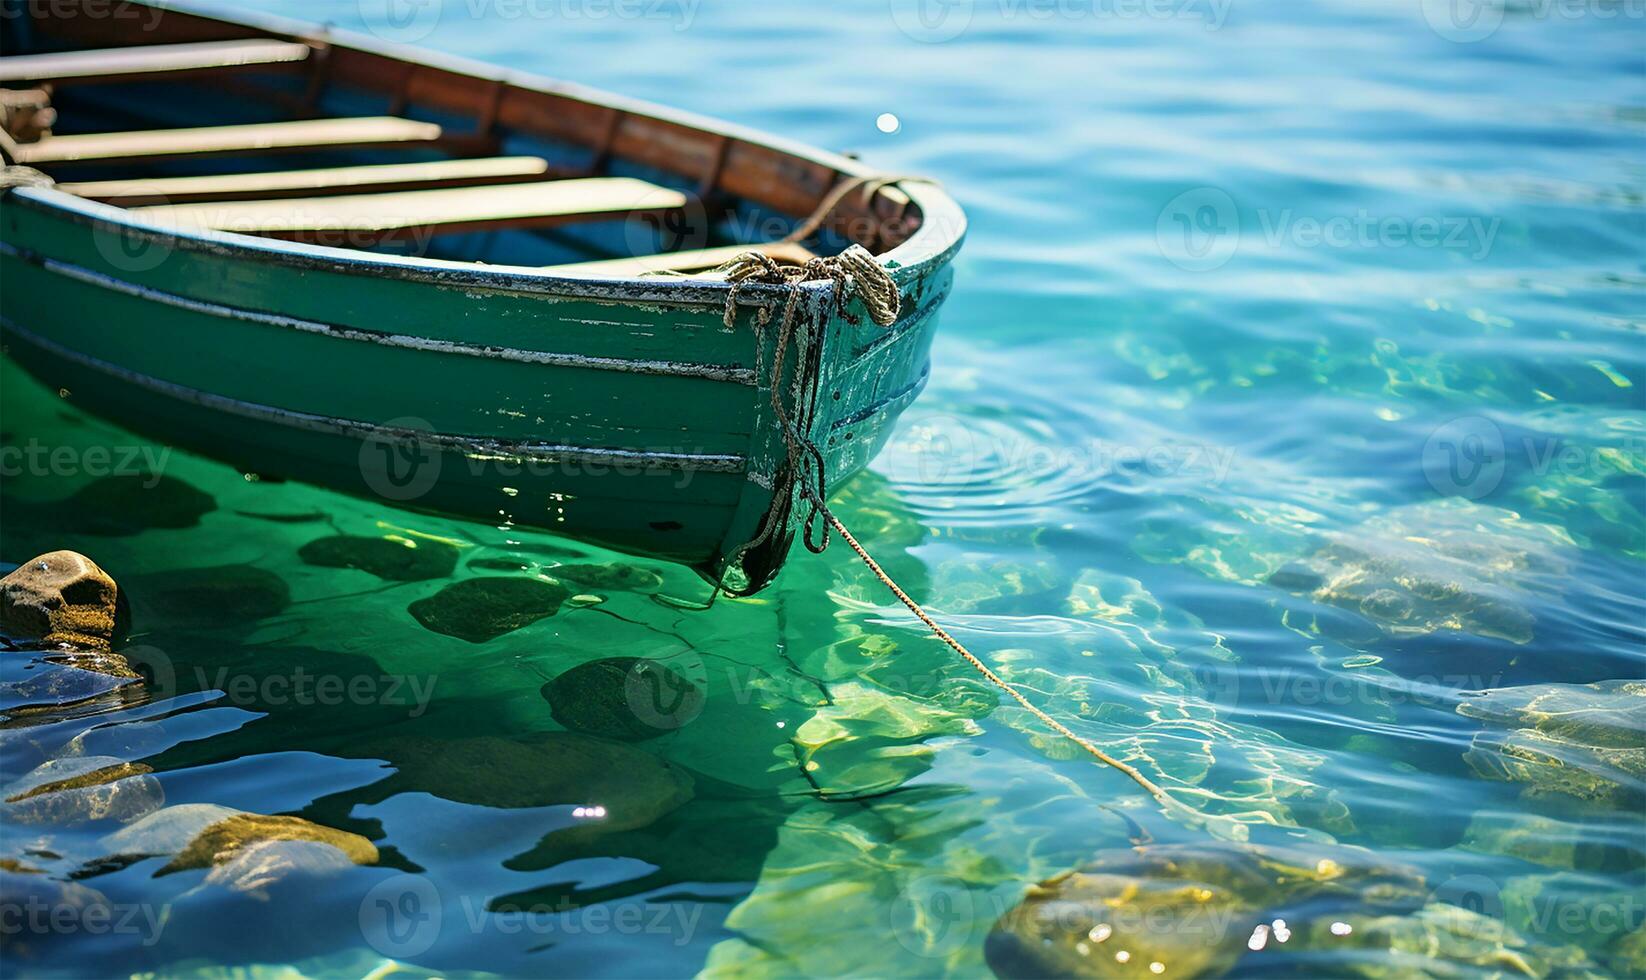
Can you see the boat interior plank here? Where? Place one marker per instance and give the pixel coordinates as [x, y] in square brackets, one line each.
[371, 217]
[148, 61]
[302, 134]
[687, 262]
[309, 183]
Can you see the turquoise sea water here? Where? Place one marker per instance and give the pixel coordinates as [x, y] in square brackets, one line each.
[1286, 438]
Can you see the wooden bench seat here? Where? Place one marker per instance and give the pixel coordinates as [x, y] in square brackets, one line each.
[155, 144]
[311, 183]
[687, 262]
[141, 62]
[361, 219]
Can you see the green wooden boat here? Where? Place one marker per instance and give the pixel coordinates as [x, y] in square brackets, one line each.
[316, 256]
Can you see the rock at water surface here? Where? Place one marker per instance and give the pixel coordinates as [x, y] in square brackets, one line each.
[267, 864]
[61, 598]
[223, 840]
[1604, 713]
[395, 559]
[165, 831]
[1581, 740]
[481, 609]
[82, 789]
[625, 698]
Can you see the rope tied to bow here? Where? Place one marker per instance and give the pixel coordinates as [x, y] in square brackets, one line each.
[13, 175]
[853, 272]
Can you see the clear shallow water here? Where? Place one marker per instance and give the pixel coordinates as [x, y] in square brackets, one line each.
[1290, 397]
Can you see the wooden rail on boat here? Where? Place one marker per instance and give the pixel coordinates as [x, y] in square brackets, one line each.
[150, 62]
[311, 183]
[459, 209]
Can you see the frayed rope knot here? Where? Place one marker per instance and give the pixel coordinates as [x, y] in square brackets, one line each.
[19, 176]
[853, 272]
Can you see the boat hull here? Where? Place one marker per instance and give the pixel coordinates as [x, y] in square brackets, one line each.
[622, 414]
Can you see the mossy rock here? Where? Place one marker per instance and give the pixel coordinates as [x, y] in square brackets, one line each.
[1614, 776]
[629, 699]
[221, 596]
[1609, 713]
[612, 576]
[395, 559]
[1582, 740]
[1450, 565]
[537, 770]
[81, 789]
[165, 831]
[224, 840]
[116, 506]
[1186, 910]
[481, 609]
[61, 598]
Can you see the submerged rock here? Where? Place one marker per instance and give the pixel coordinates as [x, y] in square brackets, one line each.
[1187, 910]
[1448, 565]
[1609, 775]
[395, 559]
[616, 576]
[225, 839]
[1581, 740]
[632, 788]
[115, 506]
[219, 596]
[41, 910]
[481, 609]
[625, 698]
[61, 597]
[81, 789]
[165, 831]
[267, 864]
[1605, 713]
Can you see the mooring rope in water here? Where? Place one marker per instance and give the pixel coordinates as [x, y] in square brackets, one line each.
[854, 271]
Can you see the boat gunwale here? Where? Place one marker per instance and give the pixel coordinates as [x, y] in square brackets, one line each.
[938, 237]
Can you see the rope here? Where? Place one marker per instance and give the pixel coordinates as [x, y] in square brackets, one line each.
[870, 184]
[1149, 785]
[854, 270]
[18, 176]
